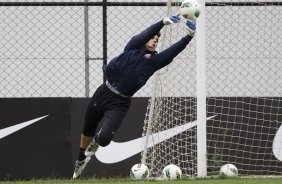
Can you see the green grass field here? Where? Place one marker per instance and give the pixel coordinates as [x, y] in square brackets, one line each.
[128, 181]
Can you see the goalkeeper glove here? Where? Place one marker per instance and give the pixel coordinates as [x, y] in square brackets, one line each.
[171, 19]
[190, 27]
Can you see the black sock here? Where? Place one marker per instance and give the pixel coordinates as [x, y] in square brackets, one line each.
[81, 155]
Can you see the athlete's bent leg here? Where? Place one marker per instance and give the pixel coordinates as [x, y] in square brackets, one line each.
[110, 125]
[92, 118]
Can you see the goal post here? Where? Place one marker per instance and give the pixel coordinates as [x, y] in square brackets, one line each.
[220, 100]
[201, 94]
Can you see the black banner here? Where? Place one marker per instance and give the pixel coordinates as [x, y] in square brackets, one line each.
[130, 129]
[39, 137]
[245, 132]
[35, 138]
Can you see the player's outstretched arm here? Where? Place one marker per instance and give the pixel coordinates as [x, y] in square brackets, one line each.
[165, 57]
[142, 38]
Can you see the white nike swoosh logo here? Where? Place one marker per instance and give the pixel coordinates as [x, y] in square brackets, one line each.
[116, 152]
[12, 129]
[277, 144]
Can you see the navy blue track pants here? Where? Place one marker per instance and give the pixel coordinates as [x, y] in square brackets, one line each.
[106, 110]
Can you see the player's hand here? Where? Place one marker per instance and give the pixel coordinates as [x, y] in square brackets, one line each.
[171, 19]
[190, 27]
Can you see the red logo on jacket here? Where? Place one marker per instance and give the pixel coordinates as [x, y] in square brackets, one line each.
[147, 57]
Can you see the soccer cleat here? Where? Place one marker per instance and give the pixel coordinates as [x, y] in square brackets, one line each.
[91, 149]
[79, 167]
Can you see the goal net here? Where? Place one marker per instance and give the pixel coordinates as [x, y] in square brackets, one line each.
[243, 93]
[169, 126]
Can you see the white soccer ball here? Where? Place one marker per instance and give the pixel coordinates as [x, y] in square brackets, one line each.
[172, 172]
[228, 170]
[190, 9]
[139, 172]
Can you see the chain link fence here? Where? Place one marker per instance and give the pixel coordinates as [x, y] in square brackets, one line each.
[57, 48]
[244, 48]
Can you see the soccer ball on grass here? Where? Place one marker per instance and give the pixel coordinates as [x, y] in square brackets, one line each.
[190, 9]
[172, 172]
[228, 170]
[139, 172]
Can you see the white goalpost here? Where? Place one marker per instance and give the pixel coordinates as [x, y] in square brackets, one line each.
[201, 94]
[220, 101]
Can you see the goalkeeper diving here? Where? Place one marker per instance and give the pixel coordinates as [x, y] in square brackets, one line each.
[125, 74]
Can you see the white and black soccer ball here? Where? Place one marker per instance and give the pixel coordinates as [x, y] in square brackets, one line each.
[190, 9]
[172, 172]
[139, 172]
[228, 170]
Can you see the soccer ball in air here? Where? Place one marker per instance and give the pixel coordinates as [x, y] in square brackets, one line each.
[172, 172]
[139, 172]
[228, 170]
[190, 9]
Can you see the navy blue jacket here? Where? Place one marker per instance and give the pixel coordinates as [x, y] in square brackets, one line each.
[130, 70]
